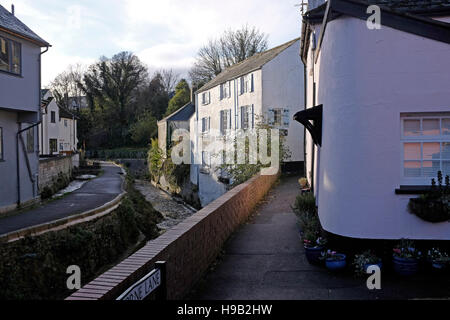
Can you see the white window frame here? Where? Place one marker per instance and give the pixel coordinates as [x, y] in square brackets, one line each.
[206, 124]
[441, 138]
[225, 90]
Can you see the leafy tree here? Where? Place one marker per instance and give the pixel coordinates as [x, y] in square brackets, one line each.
[144, 129]
[112, 84]
[181, 98]
[231, 48]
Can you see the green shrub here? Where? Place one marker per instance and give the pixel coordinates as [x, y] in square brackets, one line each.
[305, 202]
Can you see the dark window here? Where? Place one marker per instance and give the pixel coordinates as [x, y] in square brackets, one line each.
[53, 117]
[1, 144]
[53, 146]
[10, 56]
[30, 140]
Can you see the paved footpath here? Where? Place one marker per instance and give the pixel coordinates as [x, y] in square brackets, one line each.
[91, 195]
[265, 260]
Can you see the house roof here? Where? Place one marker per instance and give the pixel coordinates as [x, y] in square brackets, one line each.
[251, 64]
[182, 114]
[64, 113]
[10, 24]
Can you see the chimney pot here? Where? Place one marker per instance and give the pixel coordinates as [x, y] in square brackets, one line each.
[12, 9]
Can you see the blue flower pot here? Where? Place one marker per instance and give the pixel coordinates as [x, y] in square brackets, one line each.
[405, 267]
[334, 265]
[313, 254]
[379, 264]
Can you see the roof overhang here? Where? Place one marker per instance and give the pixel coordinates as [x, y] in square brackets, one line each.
[41, 44]
[414, 23]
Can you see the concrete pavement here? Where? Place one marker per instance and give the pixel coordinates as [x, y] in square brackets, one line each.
[93, 194]
[265, 260]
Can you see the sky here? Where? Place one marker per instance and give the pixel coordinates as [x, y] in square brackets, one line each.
[163, 34]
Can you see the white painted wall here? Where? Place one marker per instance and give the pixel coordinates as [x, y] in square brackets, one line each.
[67, 138]
[367, 79]
[47, 129]
[282, 87]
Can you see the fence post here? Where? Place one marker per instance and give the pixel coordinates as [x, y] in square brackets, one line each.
[161, 293]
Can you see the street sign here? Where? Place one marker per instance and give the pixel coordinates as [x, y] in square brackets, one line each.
[143, 288]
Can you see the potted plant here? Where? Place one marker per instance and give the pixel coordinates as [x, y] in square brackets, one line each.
[406, 258]
[433, 206]
[363, 261]
[334, 261]
[438, 259]
[314, 248]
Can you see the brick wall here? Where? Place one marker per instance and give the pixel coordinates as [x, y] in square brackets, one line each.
[50, 168]
[189, 248]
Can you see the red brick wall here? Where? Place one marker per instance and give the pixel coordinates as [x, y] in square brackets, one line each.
[189, 248]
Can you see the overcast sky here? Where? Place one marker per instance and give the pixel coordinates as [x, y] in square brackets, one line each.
[164, 33]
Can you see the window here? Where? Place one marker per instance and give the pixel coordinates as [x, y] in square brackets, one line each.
[246, 84]
[61, 146]
[10, 56]
[225, 121]
[425, 147]
[53, 117]
[225, 90]
[247, 117]
[279, 117]
[1, 144]
[53, 146]
[206, 124]
[30, 140]
[65, 123]
[206, 98]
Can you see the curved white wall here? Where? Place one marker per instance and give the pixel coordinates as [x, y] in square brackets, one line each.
[367, 79]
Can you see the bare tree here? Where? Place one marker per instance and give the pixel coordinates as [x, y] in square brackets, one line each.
[169, 79]
[66, 85]
[231, 48]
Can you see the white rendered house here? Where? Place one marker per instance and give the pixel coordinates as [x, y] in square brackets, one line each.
[267, 86]
[58, 130]
[380, 102]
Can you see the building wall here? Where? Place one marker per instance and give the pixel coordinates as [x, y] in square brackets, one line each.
[367, 79]
[19, 108]
[67, 138]
[282, 87]
[162, 135]
[49, 130]
[22, 92]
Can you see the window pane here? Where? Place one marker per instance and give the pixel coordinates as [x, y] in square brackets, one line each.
[446, 150]
[446, 126]
[411, 127]
[4, 55]
[431, 127]
[431, 151]
[445, 168]
[412, 151]
[431, 168]
[412, 169]
[15, 57]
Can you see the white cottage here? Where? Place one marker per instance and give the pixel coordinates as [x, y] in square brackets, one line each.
[266, 86]
[58, 129]
[378, 113]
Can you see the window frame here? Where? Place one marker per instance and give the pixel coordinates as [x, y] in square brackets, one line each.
[9, 44]
[52, 116]
[2, 146]
[206, 98]
[421, 139]
[52, 151]
[30, 140]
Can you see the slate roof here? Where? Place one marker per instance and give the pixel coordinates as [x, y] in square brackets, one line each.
[11, 24]
[182, 114]
[251, 64]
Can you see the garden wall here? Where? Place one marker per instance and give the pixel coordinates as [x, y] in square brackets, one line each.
[189, 248]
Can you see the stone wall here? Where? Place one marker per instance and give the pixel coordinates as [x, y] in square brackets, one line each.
[189, 248]
[50, 168]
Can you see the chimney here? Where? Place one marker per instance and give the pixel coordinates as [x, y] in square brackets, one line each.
[12, 9]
